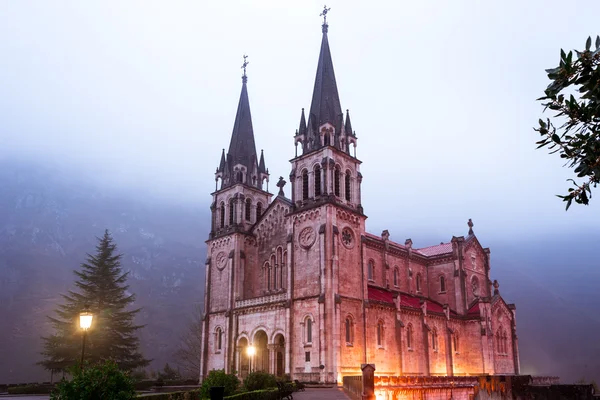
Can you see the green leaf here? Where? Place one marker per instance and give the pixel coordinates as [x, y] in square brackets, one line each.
[555, 138]
[588, 43]
[597, 42]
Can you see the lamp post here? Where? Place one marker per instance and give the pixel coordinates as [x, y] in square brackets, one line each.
[251, 352]
[85, 321]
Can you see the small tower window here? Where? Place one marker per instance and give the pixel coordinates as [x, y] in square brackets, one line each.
[434, 340]
[349, 330]
[336, 180]
[231, 212]
[395, 276]
[418, 280]
[380, 334]
[258, 211]
[371, 270]
[442, 284]
[239, 176]
[305, 185]
[268, 276]
[275, 271]
[409, 336]
[222, 216]
[248, 209]
[317, 181]
[308, 330]
[347, 186]
[218, 340]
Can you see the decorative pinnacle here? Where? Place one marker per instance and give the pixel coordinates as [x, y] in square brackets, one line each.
[244, 65]
[470, 224]
[324, 15]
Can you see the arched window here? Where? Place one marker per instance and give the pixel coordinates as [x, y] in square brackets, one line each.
[380, 333]
[336, 182]
[349, 330]
[308, 330]
[347, 186]
[305, 185]
[231, 212]
[409, 336]
[395, 276]
[442, 284]
[434, 340]
[268, 276]
[418, 281]
[239, 176]
[222, 212]
[371, 270]
[258, 211]
[248, 209]
[274, 272]
[317, 181]
[283, 267]
[218, 340]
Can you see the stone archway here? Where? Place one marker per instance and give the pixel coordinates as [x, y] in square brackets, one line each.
[279, 355]
[243, 360]
[261, 358]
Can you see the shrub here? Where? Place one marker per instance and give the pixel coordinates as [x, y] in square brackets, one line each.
[30, 389]
[259, 381]
[102, 381]
[190, 395]
[143, 385]
[268, 394]
[219, 378]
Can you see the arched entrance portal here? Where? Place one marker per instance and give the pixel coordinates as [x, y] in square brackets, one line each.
[279, 349]
[243, 360]
[261, 358]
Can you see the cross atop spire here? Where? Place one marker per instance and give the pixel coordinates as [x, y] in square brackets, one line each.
[324, 15]
[244, 65]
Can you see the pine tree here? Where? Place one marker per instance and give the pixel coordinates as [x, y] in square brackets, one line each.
[101, 286]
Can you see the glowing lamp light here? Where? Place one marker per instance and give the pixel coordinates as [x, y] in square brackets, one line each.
[85, 320]
[251, 351]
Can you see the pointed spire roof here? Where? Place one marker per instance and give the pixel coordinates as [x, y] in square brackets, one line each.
[222, 163]
[302, 130]
[348, 127]
[325, 106]
[261, 165]
[242, 147]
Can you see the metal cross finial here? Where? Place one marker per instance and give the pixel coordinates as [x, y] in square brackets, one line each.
[324, 14]
[244, 65]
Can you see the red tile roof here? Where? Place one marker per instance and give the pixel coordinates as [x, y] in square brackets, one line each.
[436, 250]
[380, 295]
[409, 301]
[474, 310]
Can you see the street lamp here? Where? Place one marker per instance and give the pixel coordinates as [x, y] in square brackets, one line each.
[85, 321]
[251, 352]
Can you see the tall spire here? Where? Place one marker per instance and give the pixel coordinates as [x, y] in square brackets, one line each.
[241, 163]
[325, 106]
[242, 148]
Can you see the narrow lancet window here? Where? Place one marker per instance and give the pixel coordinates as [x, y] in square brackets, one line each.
[248, 209]
[317, 181]
[336, 180]
[347, 186]
[305, 185]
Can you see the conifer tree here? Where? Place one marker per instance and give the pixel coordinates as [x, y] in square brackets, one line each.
[101, 286]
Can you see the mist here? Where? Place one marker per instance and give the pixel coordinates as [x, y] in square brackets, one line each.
[139, 99]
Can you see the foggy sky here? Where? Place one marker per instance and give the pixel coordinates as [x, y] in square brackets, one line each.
[142, 95]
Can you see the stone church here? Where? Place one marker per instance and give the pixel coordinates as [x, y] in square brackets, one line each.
[296, 285]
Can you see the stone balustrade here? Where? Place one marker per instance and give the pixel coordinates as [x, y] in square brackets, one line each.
[258, 301]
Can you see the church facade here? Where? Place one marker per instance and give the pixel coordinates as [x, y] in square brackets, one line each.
[296, 285]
